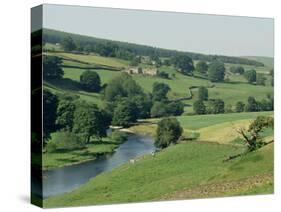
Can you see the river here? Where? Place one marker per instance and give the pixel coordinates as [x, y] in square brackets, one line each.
[65, 179]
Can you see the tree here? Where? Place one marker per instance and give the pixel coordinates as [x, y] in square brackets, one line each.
[52, 67]
[202, 67]
[203, 93]
[239, 107]
[163, 75]
[87, 48]
[89, 121]
[237, 69]
[125, 113]
[65, 114]
[90, 81]
[122, 86]
[159, 109]
[216, 106]
[251, 76]
[252, 105]
[167, 62]
[135, 61]
[199, 107]
[252, 137]
[175, 108]
[228, 108]
[216, 71]
[68, 44]
[261, 79]
[159, 91]
[168, 132]
[50, 104]
[143, 104]
[65, 141]
[184, 64]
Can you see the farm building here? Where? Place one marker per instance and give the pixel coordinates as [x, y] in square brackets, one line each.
[144, 71]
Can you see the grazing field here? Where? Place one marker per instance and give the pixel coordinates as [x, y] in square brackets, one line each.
[197, 122]
[235, 90]
[59, 87]
[208, 127]
[93, 59]
[172, 171]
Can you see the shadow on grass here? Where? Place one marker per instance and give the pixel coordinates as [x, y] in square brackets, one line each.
[65, 83]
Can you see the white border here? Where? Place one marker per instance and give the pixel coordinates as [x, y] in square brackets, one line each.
[15, 101]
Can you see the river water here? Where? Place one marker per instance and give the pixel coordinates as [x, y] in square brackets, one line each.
[65, 179]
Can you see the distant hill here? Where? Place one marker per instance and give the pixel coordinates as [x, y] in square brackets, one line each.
[54, 36]
[267, 61]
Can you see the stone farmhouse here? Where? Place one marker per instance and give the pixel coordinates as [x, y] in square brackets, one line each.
[143, 71]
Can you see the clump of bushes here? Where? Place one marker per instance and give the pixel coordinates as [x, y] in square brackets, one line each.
[65, 141]
[119, 136]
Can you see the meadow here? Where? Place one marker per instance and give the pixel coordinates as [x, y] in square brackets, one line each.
[235, 90]
[193, 173]
[196, 167]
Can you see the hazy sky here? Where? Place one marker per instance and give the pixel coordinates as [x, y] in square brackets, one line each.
[211, 34]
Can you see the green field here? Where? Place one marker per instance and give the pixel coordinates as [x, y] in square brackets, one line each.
[176, 169]
[208, 126]
[93, 59]
[236, 90]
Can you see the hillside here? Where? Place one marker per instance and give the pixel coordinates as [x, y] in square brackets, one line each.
[108, 68]
[193, 167]
[197, 171]
[267, 61]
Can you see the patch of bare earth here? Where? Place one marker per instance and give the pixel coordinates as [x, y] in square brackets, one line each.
[221, 189]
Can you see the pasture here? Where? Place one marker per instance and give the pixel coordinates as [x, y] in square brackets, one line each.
[171, 172]
[235, 90]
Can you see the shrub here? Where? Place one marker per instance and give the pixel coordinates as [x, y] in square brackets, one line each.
[168, 132]
[51, 147]
[239, 107]
[90, 81]
[199, 107]
[203, 93]
[251, 76]
[237, 69]
[65, 141]
[202, 67]
[163, 75]
[261, 79]
[216, 71]
[158, 109]
[119, 136]
[216, 106]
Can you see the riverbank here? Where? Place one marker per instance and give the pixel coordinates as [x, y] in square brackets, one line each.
[181, 169]
[91, 152]
[134, 148]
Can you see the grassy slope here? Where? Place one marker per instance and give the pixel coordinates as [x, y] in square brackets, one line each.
[178, 168]
[232, 92]
[94, 59]
[197, 122]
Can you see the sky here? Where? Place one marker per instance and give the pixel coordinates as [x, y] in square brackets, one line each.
[208, 34]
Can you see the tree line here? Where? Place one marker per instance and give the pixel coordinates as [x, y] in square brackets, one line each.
[204, 105]
[128, 50]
